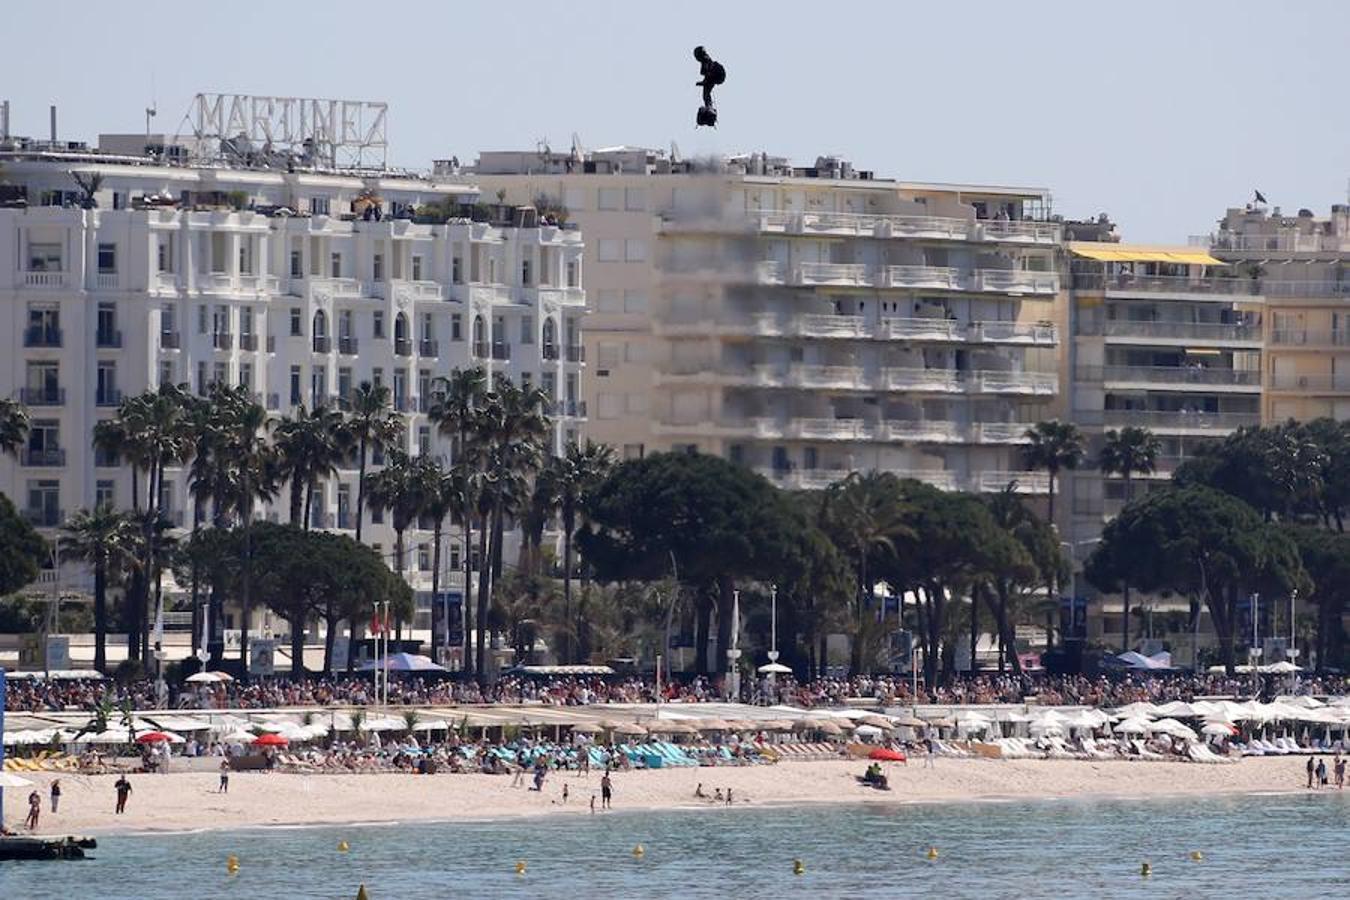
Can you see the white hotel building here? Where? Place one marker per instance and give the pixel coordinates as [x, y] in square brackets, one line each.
[259, 276]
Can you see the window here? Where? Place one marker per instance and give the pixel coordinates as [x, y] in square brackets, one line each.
[44, 258]
[107, 259]
[106, 328]
[296, 398]
[377, 267]
[220, 320]
[245, 257]
[246, 376]
[220, 373]
[345, 324]
[608, 301]
[527, 329]
[573, 274]
[167, 319]
[320, 327]
[377, 323]
[423, 439]
[218, 253]
[246, 320]
[376, 377]
[608, 406]
[574, 199]
[164, 254]
[335, 265]
[635, 404]
[635, 199]
[105, 495]
[635, 250]
[201, 318]
[634, 302]
[456, 327]
[457, 270]
[344, 385]
[609, 354]
[611, 198]
[165, 371]
[525, 272]
[297, 264]
[318, 387]
[424, 557]
[428, 328]
[318, 206]
[416, 267]
[44, 501]
[297, 322]
[106, 384]
[344, 506]
[610, 250]
[632, 451]
[202, 383]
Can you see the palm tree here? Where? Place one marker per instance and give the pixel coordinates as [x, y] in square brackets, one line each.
[567, 480]
[107, 541]
[440, 497]
[13, 426]
[400, 489]
[370, 421]
[1054, 446]
[1126, 452]
[866, 515]
[455, 410]
[309, 446]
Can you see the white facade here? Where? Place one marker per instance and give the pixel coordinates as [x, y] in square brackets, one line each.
[106, 302]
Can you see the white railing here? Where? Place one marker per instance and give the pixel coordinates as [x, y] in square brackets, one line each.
[1198, 420]
[833, 273]
[1290, 381]
[216, 282]
[923, 431]
[1326, 288]
[1301, 337]
[823, 325]
[935, 277]
[902, 226]
[988, 381]
[992, 482]
[44, 279]
[1176, 375]
[923, 329]
[1013, 333]
[108, 281]
[164, 281]
[770, 272]
[1201, 331]
[1286, 242]
[1018, 281]
[422, 290]
[946, 380]
[1000, 433]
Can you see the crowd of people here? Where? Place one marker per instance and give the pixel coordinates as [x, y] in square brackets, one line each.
[1113, 690]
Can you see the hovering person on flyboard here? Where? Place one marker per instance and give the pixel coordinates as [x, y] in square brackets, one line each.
[713, 74]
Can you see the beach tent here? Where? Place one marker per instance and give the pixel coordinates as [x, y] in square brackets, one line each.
[1133, 726]
[1284, 667]
[1139, 662]
[405, 662]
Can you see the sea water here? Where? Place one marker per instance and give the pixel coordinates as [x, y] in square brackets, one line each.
[1286, 845]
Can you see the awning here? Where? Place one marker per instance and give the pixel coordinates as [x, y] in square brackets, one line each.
[1105, 252]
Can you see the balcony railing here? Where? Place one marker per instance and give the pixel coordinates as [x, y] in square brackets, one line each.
[1180, 420]
[549, 352]
[402, 347]
[428, 348]
[322, 344]
[43, 396]
[901, 226]
[42, 517]
[170, 340]
[1167, 284]
[988, 482]
[319, 519]
[42, 337]
[1285, 242]
[44, 456]
[108, 397]
[248, 342]
[501, 351]
[570, 409]
[480, 349]
[222, 340]
[1301, 337]
[576, 353]
[107, 281]
[1290, 381]
[347, 346]
[108, 338]
[1211, 376]
[44, 279]
[1199, 331]
[1325, 288]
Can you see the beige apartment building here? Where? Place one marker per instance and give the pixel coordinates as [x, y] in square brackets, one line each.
[809, 321]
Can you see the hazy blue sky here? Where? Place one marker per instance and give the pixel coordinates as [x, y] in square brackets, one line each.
[1161, 113]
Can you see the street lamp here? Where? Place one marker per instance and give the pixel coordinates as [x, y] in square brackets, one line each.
[773, 619]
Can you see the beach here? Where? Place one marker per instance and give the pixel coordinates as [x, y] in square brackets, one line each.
[189, 801]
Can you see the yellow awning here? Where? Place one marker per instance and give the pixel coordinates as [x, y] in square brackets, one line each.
[1104, 252]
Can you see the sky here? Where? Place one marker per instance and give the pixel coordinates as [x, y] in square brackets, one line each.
[1162, 113]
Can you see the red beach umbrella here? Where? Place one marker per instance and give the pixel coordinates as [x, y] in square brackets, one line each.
[153, 737]
[270, 739]
[886, 755]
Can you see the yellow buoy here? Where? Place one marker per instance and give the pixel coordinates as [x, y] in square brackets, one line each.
[232, 864]
[343, 846]
[1145, 870]
[638, 851]
[520, 867]
[1197, 856]
[361, 893]
[798, 867]
[932, 853]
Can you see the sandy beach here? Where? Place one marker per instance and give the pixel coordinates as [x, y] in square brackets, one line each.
[188, 801]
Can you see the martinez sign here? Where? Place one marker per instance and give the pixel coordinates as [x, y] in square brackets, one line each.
[295, 123]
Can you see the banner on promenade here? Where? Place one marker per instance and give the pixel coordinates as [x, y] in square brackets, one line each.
[260, 656]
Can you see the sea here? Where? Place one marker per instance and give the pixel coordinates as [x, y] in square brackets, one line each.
[1286, 845]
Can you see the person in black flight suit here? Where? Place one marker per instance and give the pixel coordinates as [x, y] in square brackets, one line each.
[713, 74]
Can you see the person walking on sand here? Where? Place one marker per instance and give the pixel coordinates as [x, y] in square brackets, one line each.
[1312, 771]
[123, 788]
[1321, 773]
[592, 802]
[606, 791]
[928, 753]
[34, 810]
[55, 794]
[565, 792]
[1338, 766]
[224, 776]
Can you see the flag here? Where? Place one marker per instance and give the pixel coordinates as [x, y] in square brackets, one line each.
[1260, 198]
[378, 625]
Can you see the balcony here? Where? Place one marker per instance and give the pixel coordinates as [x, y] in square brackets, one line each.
[501, 351]
[1039, 334]
[170, 340]
[1283, 242]
[322, 344]
[944, 278]
[108, 397]
[930, 380]
[248, 342]
[1190, 421]
[222, 340]
[1174, 377]
[347, 346]
[986, 381]
[1323, 288]
[1022, 482]
[47, 280]
[840, 274]
[1322, 383]
[429, 348]
[549, 352]
[911, 227]
[43, 517]
[43, 457]
[39, 336]
[1301, 337]
[42, 396]
[1212, 332]
[108, 339]
[921, 329]
[402, 347]
[1207, 286]
[107, 281]
[274, 401]
[568, 409]
[576, 353]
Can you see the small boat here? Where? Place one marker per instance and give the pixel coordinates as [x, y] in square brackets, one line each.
[45, 848]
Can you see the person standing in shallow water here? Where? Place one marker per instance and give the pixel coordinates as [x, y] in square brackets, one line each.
[1312, 771]
[606, 791]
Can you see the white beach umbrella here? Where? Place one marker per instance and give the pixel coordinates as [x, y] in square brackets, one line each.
[1133, 726]
[1174, 709]
[203, 678]
[1135, 711]
[238, 737]
[1218, 729]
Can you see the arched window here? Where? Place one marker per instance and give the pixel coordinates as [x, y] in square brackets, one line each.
[550, 339]
[479, 336]
[320, 324]
[401, 327]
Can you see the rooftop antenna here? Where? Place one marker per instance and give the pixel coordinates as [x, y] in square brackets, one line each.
[150, 111]
[578, 151]
[674, 153]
